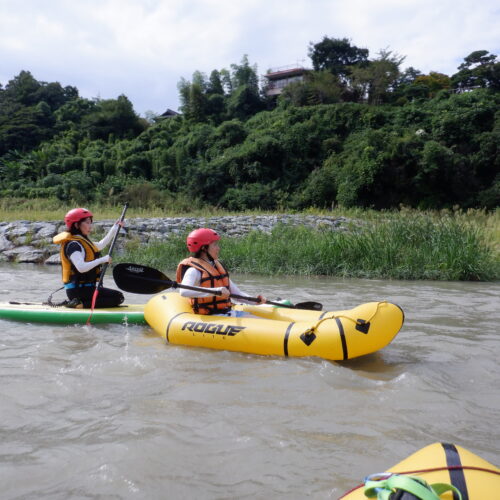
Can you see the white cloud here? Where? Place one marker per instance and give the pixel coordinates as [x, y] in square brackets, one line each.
[142, 48]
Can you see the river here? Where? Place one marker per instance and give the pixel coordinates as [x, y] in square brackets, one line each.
[110, 411]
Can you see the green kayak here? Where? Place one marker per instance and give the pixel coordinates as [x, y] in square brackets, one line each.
[40, 313]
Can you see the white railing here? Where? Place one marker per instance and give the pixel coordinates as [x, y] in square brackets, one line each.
[284, 68]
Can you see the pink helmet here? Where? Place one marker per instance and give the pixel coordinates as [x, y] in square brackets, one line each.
[199, 237]
[76, 215]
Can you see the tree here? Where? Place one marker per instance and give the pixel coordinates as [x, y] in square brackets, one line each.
[27, 111]
[22, 89]
[215, 83]
[70, 114]
[318, 87]
[479, 69]
[225, 78]
[244, 74]
[404, 87]
[112, 117]
[377, 79]
[193, 99]
[244, 102]
[236, 92]
[336, 55]
[434, 82]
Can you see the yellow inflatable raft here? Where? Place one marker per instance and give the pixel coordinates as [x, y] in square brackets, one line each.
[278, 331]
[475, 478]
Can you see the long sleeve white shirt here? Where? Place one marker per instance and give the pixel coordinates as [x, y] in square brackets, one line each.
[78, 257]
[192, 277]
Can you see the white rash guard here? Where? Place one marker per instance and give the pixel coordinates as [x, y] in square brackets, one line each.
[192, 277]
[78, 257]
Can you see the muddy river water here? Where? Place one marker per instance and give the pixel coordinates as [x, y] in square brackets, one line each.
[111, 411]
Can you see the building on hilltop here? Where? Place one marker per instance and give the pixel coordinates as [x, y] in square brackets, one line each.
[169, 113]
[279, 78]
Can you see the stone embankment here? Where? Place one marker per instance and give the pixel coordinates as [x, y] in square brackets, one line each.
[31, 242]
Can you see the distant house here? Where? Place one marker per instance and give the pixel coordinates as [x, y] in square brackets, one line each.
[279, 78]
[169, 113]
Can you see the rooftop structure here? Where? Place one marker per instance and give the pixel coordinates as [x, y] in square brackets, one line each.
[169, 113]
[279, 78]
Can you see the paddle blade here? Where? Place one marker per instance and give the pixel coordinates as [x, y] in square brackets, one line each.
[310, 306]
[135, 278]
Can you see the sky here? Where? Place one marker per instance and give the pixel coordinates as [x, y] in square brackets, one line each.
[142, 48]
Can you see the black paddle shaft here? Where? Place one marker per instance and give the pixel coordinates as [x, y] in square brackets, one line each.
[111, 248]
[136, 278]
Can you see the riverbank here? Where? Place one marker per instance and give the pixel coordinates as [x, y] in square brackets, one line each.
[407, 245]
[31, 242]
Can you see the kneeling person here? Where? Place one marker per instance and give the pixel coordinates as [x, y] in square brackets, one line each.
[81, 261]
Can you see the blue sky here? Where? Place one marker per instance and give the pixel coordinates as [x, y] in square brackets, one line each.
[142, 48]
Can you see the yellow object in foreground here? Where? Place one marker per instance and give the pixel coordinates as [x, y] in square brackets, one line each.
[278, 331]
[475, 478]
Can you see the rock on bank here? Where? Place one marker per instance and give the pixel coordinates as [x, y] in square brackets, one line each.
[26, 241]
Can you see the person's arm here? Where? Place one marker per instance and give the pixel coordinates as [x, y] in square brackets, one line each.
[107, 239]
[192, 277]
[233, 289]
[76, 254]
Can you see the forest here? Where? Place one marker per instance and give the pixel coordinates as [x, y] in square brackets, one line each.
[358, 131]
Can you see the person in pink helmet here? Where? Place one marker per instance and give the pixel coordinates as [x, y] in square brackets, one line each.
[203, 269]
[81, 261]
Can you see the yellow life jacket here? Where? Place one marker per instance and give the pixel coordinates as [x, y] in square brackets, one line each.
[69, 272]
[211, 277]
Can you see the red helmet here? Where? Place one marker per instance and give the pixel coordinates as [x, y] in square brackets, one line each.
[199, 237]
[76, 215]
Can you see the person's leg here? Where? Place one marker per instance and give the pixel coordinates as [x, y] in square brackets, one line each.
[106, 297]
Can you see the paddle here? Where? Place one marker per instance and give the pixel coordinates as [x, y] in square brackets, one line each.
[136, 278]
[105, 266]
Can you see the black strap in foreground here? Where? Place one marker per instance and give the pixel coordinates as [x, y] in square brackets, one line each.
[285, 340]
[457, 476]
[345, 353]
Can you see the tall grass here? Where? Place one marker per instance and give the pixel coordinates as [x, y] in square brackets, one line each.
[411, 245]
[402, 244]
[49, 209]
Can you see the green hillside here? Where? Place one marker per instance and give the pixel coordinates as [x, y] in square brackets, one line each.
[357, 132]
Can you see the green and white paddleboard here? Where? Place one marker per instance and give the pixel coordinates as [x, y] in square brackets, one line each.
[39, 313]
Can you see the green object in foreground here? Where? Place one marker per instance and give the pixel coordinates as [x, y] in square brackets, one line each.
[39, 313]
[389, 486]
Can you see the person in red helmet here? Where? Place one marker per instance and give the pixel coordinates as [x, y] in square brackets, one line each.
[81, 261]
[203, 269]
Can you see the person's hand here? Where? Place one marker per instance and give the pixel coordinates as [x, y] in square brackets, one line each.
[107, 258]
[121, 223]
[262, 299]
[224, 292]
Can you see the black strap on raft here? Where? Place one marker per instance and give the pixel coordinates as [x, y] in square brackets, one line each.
[457, 475]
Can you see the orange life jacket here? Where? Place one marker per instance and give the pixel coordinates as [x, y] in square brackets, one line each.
[69, 272]
[211, 277]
